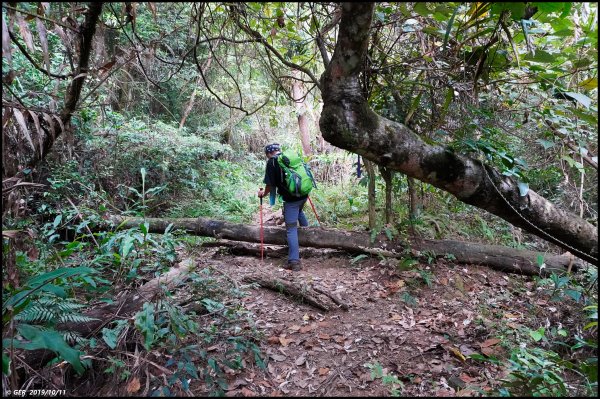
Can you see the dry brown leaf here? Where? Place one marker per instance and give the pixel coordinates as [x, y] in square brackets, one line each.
[273, 340]
[246, 392]
[60, 122]
[339, 339]
[10, 233]
[295, 327]
[324, 336]
[466, 378]
[152, 8]
[395, 285]
[106, 67]
[40, 132]
[278, 358]
[285, 342]
[466, 350]
[6, 49]
[306, 329]
[33, 254]
[24, 129]
[133, 385]
[488, 351]
[25, 33]
[489, 342]
[6, 117]
[50, 125]
[44, 41]
[300, 360]
[323, 371]
[61, 33]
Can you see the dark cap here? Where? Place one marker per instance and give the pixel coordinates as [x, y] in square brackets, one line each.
[272, 147]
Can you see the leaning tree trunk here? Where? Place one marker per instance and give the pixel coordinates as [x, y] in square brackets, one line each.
[371, 190]
[190, 104]
[387, 177]
[494, 256]
[348, 122]
[299, 98]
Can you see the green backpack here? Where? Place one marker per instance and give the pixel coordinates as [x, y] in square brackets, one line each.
[297, 175]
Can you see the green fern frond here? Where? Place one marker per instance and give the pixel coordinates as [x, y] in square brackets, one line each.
[72, 337]
[75, 318]
[63, 306]
[36, 314]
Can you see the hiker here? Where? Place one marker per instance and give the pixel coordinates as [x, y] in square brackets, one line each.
[292, 206]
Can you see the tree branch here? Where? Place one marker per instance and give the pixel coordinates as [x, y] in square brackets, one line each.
[348, 122]
[32, 61]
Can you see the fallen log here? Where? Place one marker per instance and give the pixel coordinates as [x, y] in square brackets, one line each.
[498, 257]
[270, 251]
[303, 292]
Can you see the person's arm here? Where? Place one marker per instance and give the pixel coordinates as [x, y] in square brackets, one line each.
[268, 178]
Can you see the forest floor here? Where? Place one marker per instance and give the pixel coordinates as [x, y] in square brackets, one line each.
[418, 325]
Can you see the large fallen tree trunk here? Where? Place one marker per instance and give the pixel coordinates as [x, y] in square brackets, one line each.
[497, 257]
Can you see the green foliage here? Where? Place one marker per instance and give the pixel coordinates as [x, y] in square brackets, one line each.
[534, 372]
[592, 315]
[390, 380]
[43, 300]
[46, 339]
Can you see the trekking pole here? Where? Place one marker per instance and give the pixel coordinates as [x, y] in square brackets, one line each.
[313, 208]
[261, 231]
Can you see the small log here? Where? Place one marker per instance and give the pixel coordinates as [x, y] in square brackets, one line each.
[335, 298]
[305, 293]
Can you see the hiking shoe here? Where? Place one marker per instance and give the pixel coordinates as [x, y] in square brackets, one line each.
[293, 265]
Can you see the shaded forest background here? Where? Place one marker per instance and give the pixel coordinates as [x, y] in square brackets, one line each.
[163, 110]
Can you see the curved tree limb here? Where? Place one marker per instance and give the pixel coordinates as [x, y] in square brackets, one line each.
[73, 93]
[348, 122]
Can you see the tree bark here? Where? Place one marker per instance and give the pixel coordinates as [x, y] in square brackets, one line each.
[347, 122]
[387, 177]
[413, 200]
[494, 256]
[299, 98]
[371, 193]
[304, 292]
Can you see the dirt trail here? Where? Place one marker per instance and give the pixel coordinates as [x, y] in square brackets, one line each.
[418, 325]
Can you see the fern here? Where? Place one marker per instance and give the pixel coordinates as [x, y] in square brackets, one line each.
[63, 306]
[36, 314]
[71, 337]
[75, 318]
[52, 311]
